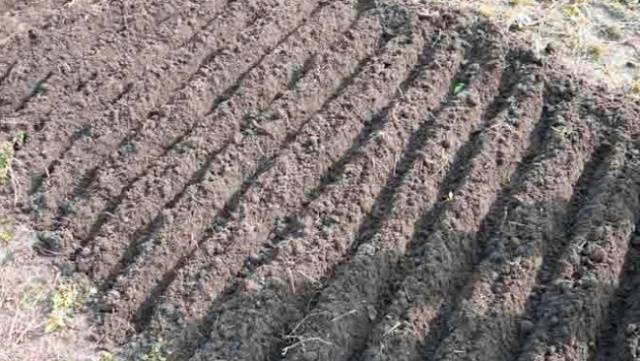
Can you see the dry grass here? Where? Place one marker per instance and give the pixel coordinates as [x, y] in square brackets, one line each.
[39, 307]
[6, 158]
[597, 39]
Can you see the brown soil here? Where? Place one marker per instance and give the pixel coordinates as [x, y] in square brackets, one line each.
[323, 180]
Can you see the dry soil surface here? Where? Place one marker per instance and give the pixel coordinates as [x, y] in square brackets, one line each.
[322, 180]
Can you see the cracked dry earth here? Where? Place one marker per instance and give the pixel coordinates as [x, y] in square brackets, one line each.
[323, 180]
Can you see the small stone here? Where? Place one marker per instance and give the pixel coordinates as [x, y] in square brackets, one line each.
[550, 48]
[598, 255]
[372, 313]
[515, 27]
[424, 15]
[83, 266]
[367, 250]
[526, 327]
[251, 285]
[217, 263]
[277, 283]
[589, 281]
[564, 285]
[113, 295]
[471, 100]
[254, 259]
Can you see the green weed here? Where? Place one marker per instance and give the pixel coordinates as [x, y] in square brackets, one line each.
[64, 301]
[20, 139]
[458, 88]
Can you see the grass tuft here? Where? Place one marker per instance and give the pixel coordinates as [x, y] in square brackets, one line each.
[157, 352]
[6, 158]
[596, 51]
[6, 232]
[64, 302]
[105, 356]
[635, 88]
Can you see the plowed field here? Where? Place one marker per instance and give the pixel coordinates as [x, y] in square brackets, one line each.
[323, 180]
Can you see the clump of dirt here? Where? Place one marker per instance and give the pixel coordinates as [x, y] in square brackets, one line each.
[325, 180]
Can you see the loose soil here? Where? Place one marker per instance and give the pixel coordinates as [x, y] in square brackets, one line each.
[322, 180]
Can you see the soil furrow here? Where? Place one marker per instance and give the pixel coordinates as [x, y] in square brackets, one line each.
[347, 306]
[191, 213]
[23, 16]
[115, 28]
[18, 7]
[294, 256]
[148, 145]
[7, 69]
[249, 106]
[34, 91]
[516, 234]
[295, 167]
[89, 80]
[370, 86]
[346, 198]
[571, 308]
[193, 260]
[102, 81]
[177, 76]
[47, 38]
[58, 46]
[620, 337]
[444, 245]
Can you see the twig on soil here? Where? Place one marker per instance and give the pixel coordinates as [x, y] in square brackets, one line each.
[339, 317]
[311, 280]
[297, 326]
[302, 342]
[14, 185]
[293, 286]
[530, 226]
[13, 324]
[504, 216]
[395, 327]
[493, 128]
[34, 326]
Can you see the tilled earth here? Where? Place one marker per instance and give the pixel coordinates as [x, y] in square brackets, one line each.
[323, 180]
